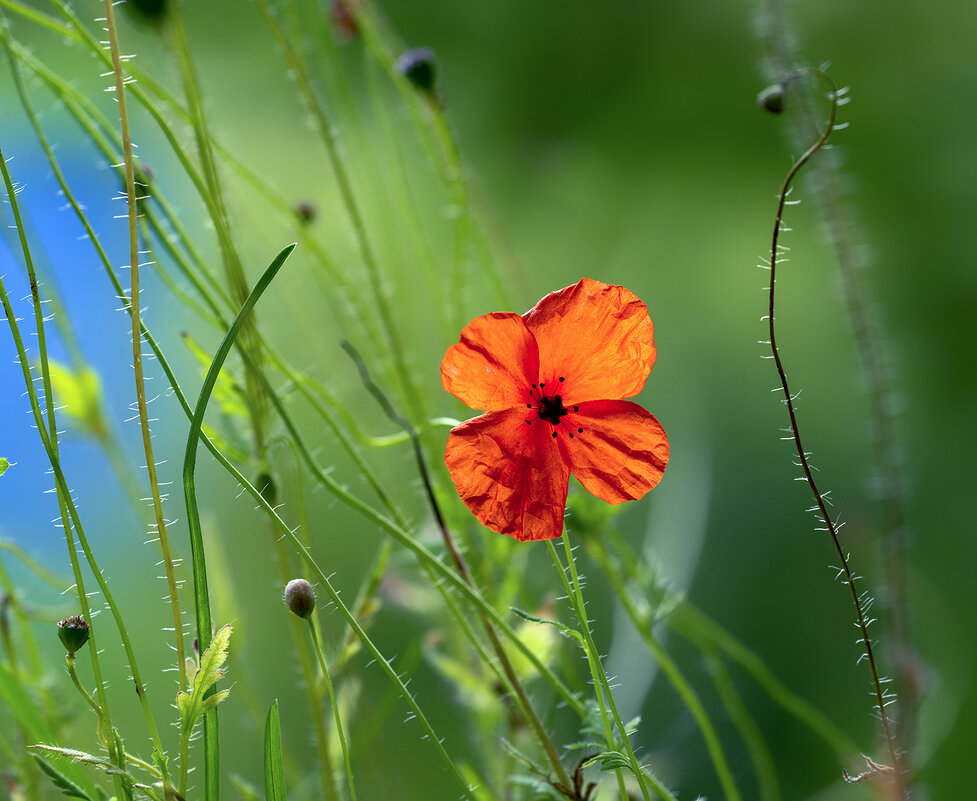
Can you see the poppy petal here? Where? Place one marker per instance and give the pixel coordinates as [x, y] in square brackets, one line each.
[596, 336]
[510, 474]
[494, 364]
[618, 450]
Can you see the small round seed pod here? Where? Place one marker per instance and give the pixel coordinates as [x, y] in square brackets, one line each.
[73, 633]
[419, 66]
[300, 597]
[772, 98]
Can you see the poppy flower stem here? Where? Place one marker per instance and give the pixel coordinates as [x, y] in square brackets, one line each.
[859, 601]
[602, 687]
[460, 566]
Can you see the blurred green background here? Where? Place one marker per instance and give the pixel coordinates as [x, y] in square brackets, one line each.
[618, 141]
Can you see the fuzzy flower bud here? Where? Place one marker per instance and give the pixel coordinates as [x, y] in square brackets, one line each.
[300, 597]
[73, 633]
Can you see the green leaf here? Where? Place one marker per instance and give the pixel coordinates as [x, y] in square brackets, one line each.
[128, 781]
[63, 783]
[80, 392]
[611, 760]
[201, 595]
[35, 726]
[4, 464]
[194, 704]
[274, 772]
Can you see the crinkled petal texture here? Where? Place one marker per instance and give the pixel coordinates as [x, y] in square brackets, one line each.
[621, 452]
[494, 364]
[597, 336]
[510, 474]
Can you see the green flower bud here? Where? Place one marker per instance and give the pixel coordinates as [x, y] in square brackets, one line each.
[73, 633]
[300, 597]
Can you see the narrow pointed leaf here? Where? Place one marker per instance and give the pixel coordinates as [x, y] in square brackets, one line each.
[274, 771]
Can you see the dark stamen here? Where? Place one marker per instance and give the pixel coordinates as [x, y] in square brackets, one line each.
[562, 378]
[551, 409]
[554, 435]
[576, 408]
[580, 431]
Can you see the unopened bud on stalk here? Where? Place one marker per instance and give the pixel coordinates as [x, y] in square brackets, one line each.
[300, 597]
[418, 66]
[772, 98]
[73, 633]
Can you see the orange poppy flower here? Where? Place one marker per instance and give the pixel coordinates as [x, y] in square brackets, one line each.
[552, 383]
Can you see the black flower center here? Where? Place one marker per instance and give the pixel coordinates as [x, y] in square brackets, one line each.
[551, 408]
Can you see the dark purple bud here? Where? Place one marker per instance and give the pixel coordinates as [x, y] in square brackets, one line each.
[772, 98]
[419, 66]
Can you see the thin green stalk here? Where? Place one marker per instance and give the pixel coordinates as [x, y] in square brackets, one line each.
[689, 697]
[42, 19]
[595, 671]
[304, 650]
[337, 717]
[406, 205]
[882, 699]
[695, 626]
[868, 333]
[763, 761]
[411, 392]
[70, 661]
[233, 269]
[602, 686]
[134, 308]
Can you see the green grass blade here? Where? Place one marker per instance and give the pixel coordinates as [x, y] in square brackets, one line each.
[274, 772]
[200, 592]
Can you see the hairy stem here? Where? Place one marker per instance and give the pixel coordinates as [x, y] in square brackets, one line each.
[830, 526]
[137, 367]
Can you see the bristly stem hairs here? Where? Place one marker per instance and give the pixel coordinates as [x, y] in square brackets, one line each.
[860, 601]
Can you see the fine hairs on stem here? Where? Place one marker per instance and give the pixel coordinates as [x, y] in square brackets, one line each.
[860, 601]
